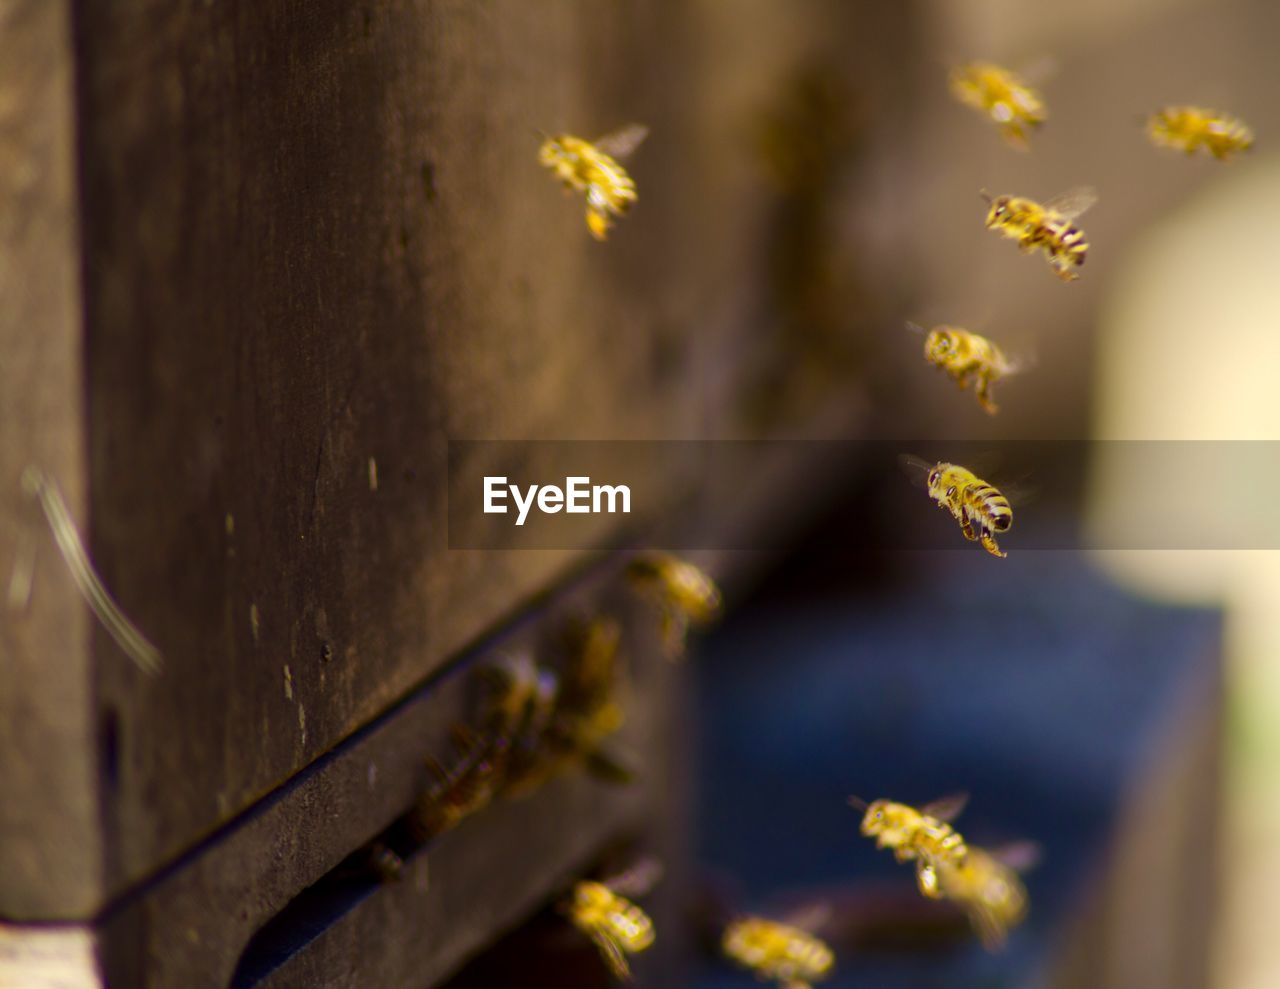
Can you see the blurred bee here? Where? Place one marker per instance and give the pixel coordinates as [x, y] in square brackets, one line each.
[518, 713]
[384, 862]
[979, 508]
[987, 886]
[589, 709]
[1046, 227]
[785, 952]
[997, 93]
[967, 357]
[685, 594]
[460, 789]
[616, 925]
[1189, 128]
[924, 836]
[594, 169]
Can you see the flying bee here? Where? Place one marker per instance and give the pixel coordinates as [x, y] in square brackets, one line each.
[987, 886]
[785, 952]
[685, 595]
[1189, 128]
[1046, 227]
[589, 710]
[594, 168]
[517, 715]
[980, 509]
[1002, 96]
[967, 357]
[924, 836]
[616, 925]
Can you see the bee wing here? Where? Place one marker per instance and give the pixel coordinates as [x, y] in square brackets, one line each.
[1073, 202]
[623, 142]
[916, 469]
[612, 953]
[808, 917]
[858, 804]
[1038, 70]
[916, 328]
[1019, 855]
[946, 808]
[638, 879]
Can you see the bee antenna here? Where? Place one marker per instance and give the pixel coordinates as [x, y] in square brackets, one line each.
[857, 803]
[985, 195]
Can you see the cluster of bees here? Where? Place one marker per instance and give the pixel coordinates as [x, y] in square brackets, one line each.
[984, 884]
[1017, 109]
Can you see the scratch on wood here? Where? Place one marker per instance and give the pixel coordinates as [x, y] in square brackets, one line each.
[254, 622]
[373, 474]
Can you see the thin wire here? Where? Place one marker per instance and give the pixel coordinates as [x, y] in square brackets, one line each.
[126, 635]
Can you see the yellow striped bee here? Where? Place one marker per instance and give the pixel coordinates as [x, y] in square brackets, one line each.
[1002, 96]
[787, 953]
[594, 168]
[987, 886]
[967, 357]
[923, 836]
[979, 508]
[1046, 227]
[685, 594]
[1189, 128]
[616, 925]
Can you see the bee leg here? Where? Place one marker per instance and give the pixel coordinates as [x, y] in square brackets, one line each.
[967, 528]
[989, 544]
[984, 395]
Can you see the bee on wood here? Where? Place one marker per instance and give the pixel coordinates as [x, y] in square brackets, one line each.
[1003, 97]
[1046, 227]
[460, 789]
[594, 168]
[1189, 128]
[589, 708]
[784, 952]
[923, 836]
[979, 508]
[967, 357]
[684, 593]
[617, 926]
[987, 887]
[517, 716]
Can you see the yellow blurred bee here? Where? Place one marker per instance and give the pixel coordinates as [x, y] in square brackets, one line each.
[685, 594]
[967, 357]
[595, 169]
[785, 952]
[987, 886]
[616, 925]
[1046, 227]
[1189, 128]
[924, 836]
[999, 94]
[979, 508]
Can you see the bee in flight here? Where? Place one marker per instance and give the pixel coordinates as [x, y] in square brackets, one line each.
[1189, 128]
[785, 952]
[594, 168]
[1002, 96]
[616, 925]
[923, 836]
[979, 508]
[685, 594]
[967, 357]
[1048, 227]
[987, 887]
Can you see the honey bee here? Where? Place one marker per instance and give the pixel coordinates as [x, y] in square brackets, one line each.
[997, 93]
[1189, 128]
[1046, 227]
[924, 836]
[979, 508]
[519, 711]
[685, 594]
[616, 925]
[987, 886]
[787, 953]
[384, 862]
[461, 789]
[589, 710]
[967, 357]
[595, 169]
